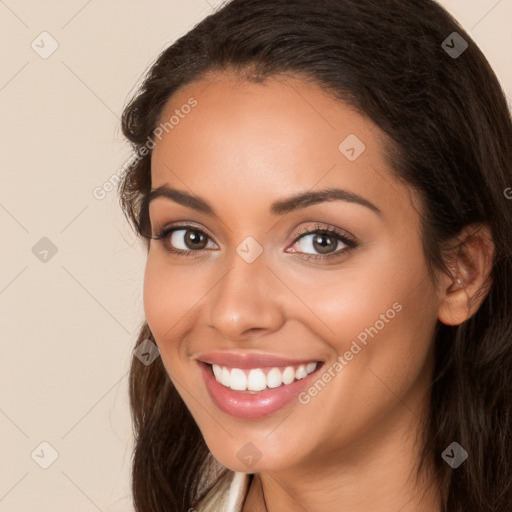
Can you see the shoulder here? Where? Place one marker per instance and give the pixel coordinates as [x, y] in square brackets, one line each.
[227, 495]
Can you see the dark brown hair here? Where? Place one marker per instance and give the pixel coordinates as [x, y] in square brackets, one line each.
[450, 139]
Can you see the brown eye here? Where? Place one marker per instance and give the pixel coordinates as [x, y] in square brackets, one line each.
[194, 239]
[324, 243]
[183, 240]
[188, 239]
[321, 242]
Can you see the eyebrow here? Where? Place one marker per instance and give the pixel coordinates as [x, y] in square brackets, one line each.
[280, 207]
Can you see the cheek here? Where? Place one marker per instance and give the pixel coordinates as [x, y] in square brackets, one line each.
[382, 340]
[367, 292]
[381, 315]
[169, 293]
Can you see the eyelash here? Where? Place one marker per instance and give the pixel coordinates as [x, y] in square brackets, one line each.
[338, 235]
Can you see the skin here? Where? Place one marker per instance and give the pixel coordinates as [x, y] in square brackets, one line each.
[355, 445]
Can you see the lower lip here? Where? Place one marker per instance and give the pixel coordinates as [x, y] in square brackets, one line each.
[250, 405]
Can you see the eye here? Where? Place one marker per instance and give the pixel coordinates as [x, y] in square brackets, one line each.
[189, 239]
[183, 240]
[327, 242]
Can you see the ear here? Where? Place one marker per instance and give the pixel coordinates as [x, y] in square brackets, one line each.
[470, 262]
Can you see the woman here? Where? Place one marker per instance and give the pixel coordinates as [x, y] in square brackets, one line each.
[321, 189]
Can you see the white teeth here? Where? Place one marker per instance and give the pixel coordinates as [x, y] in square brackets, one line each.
[257, 380]
[238, 380]
[301, 372]
[274, 378]
[225, 377]
[217, 371]
[288, 375]
[310, 367]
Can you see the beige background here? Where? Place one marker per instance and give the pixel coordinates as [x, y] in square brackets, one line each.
[68, 324]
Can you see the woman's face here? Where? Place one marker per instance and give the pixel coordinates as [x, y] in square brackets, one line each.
[265, 295]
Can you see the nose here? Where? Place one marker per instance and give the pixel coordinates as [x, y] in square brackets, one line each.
[248, 300]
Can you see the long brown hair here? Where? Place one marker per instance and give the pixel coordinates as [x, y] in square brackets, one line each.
[450, 133]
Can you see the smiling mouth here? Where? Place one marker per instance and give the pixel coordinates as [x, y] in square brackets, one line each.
[254, 387]
[253, 380]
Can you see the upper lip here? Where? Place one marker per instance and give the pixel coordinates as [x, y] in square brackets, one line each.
[254, 360]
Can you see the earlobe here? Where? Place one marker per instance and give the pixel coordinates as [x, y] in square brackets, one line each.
[453, 309]
[463, 292]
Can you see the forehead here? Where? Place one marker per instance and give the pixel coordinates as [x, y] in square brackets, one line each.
[257, 142]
